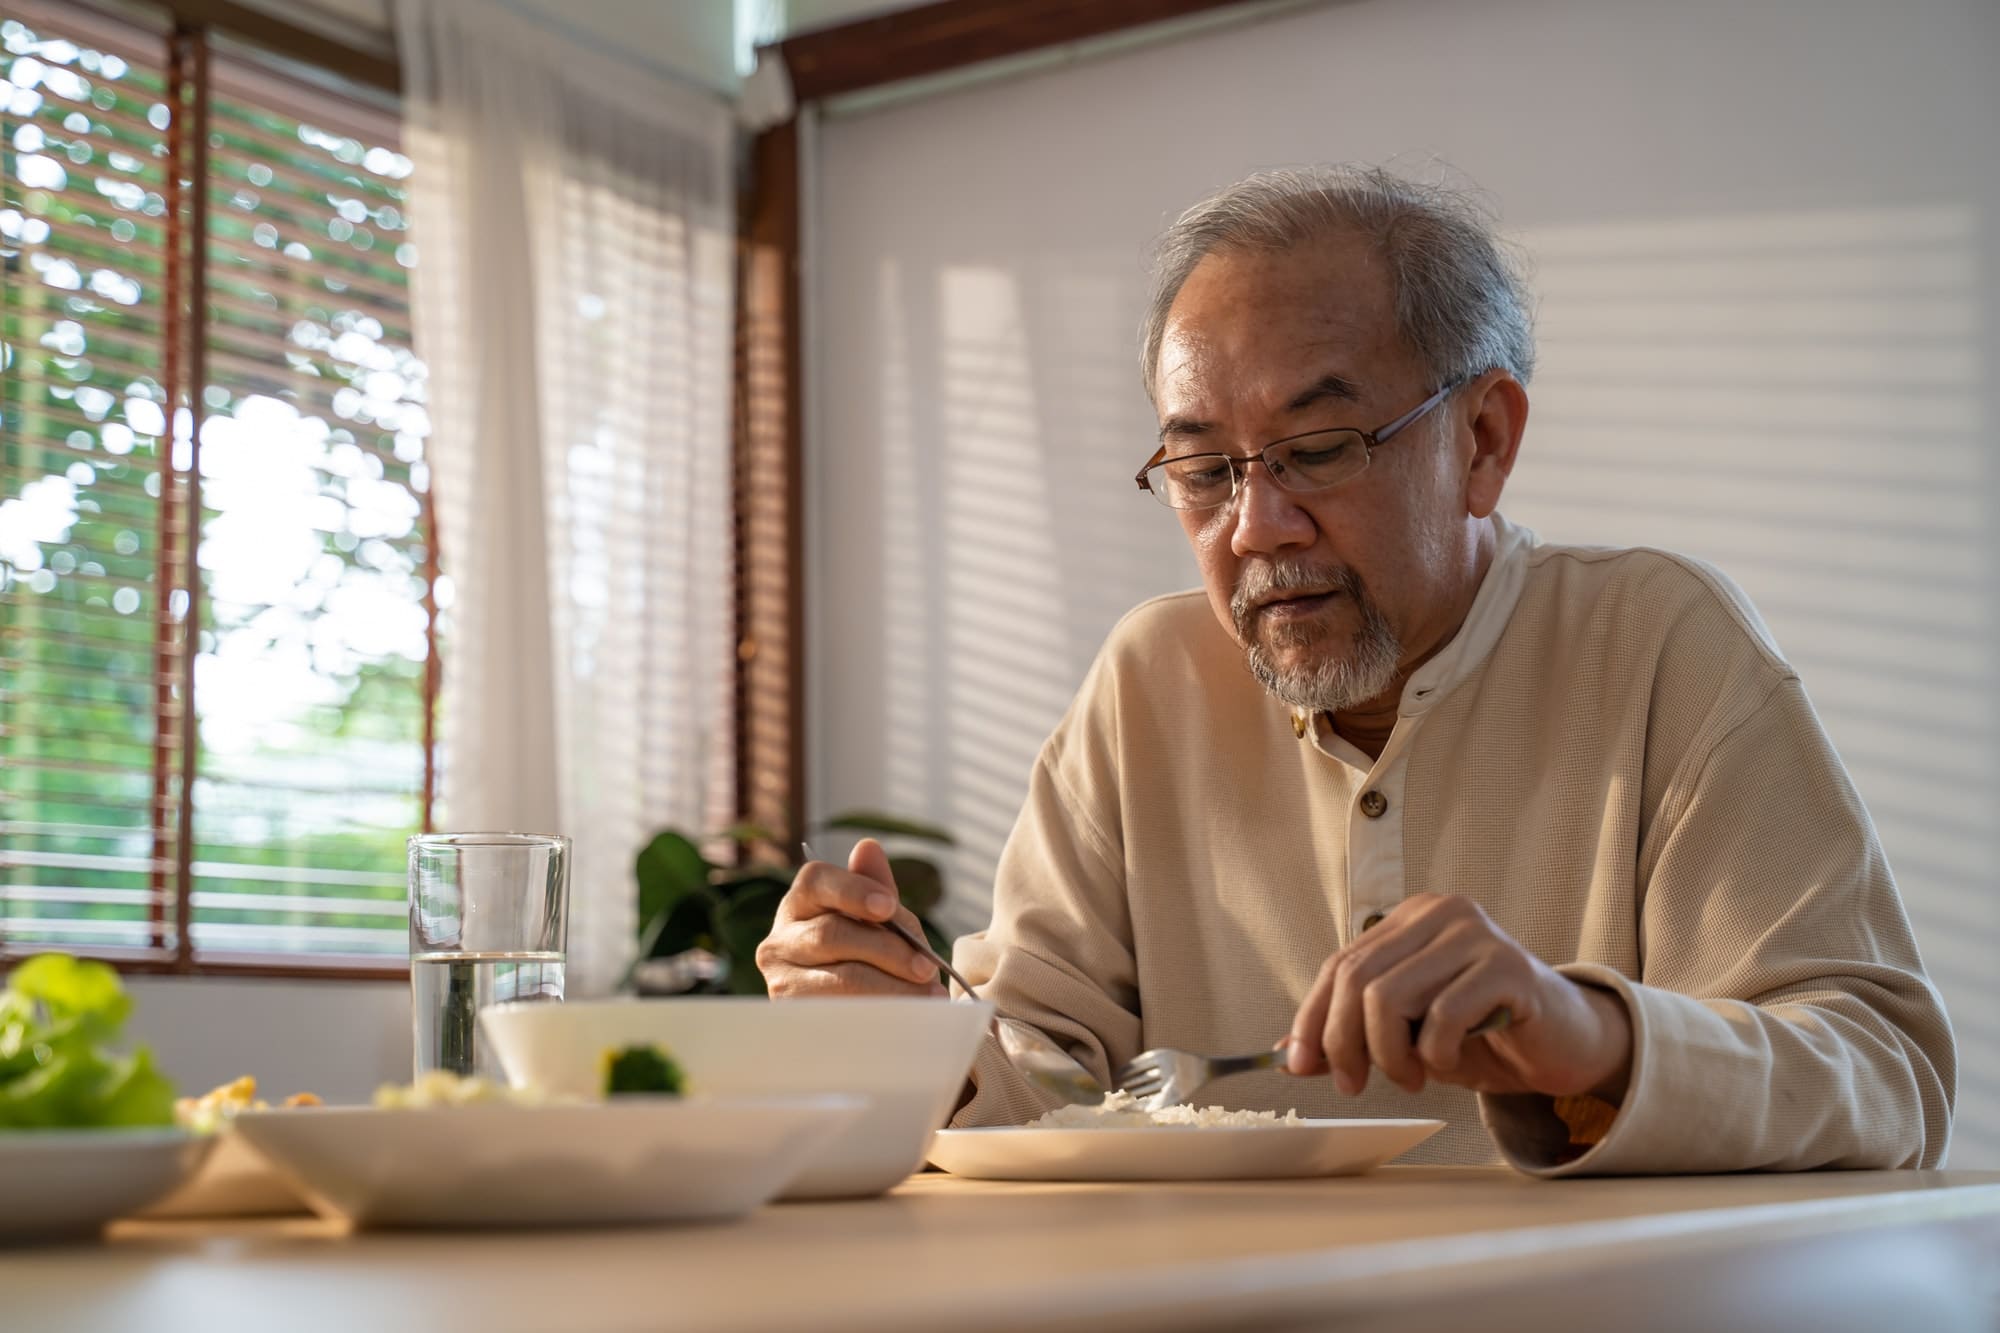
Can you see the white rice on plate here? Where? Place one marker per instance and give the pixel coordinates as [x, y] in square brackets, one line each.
[1121, 1110]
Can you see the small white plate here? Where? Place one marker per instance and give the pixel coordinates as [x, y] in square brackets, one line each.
[235, 1181]
[64, 1184]
[1178, 1152]
[650, 1159]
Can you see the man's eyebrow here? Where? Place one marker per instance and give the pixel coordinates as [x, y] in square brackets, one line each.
[1324, 388]
[1180, 427]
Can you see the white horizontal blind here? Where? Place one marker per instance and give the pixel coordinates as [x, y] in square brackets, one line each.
[297, 471]
[311, 688]
[90, 649]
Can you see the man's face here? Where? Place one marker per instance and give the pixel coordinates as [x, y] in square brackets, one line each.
[1333, 593]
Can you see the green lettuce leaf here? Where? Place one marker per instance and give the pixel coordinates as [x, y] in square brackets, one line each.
[58, 1018]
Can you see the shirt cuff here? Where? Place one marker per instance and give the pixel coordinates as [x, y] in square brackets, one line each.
[1535, 1139]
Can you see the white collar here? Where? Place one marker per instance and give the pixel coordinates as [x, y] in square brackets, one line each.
[1492, 608]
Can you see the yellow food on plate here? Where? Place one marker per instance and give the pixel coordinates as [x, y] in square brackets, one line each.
[207, 1113]
[442, 1088]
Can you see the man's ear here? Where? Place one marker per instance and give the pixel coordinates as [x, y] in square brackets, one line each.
[1494, 411]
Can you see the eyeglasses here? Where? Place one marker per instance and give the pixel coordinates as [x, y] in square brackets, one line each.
[1309, 462]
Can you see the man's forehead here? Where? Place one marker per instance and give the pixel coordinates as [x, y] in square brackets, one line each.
[1276, 357]
[1269, 324]
[1278, 372]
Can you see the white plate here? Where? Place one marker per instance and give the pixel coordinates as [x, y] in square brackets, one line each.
[59, 1184]
[1178, 1152]
[651, 1159]
[235, 1181]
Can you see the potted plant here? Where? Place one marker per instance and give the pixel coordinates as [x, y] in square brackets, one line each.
[704, 920]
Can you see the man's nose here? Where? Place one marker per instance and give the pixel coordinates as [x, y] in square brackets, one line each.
[1269, 518]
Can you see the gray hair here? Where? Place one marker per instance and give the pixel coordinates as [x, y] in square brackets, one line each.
[1461, 303]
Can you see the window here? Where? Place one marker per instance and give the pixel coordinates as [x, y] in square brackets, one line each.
[212, 493]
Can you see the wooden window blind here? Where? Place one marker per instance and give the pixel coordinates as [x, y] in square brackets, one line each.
[218, 576]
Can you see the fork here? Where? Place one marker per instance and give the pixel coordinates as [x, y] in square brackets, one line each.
[1042, 1062]
[1166, 1077]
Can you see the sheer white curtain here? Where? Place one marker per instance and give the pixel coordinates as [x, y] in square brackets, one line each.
[572, 219]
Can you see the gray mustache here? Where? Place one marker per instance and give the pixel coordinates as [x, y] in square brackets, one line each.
[1260, 582]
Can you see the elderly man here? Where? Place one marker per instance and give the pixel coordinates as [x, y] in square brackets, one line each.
[1464, 772]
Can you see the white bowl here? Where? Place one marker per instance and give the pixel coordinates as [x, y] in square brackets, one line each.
[908, 1057]
[63, 1184]
[633, 1160]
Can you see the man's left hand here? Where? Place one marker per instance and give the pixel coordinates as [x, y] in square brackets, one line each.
[1438, 963]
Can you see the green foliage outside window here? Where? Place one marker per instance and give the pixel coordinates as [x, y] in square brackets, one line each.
[313, 629]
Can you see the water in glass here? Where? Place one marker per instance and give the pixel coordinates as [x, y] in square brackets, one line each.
[449, 989]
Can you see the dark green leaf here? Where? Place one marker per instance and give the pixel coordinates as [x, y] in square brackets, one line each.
[669, 869]
[887, 826]
[642, 1069]
[745, 979]
[918, 882]
[649, 938]
[687, 926]
[743, 922]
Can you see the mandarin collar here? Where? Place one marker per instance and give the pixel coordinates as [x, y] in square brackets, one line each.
[1492, 608]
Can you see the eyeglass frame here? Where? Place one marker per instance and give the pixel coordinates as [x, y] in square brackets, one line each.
[1239, 464]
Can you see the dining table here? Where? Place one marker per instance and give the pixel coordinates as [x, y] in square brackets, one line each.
[1401, 1247]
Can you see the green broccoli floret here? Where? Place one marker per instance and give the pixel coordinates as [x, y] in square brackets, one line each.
[642, 1069]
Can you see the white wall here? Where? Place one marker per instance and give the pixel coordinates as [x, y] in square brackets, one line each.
[693, 38]
[1768, 236]
[690, 39]
[340, 1039]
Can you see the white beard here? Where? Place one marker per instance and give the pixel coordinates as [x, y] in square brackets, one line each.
[1332, 685]
[1336, 680]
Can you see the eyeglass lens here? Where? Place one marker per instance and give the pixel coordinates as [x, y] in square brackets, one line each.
[1309, 463]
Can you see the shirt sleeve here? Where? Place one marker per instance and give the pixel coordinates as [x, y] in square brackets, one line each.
[1059, 952]
[1781, 1019]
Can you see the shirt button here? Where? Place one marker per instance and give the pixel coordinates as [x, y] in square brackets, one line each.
[1372, 920]
[1373, 803]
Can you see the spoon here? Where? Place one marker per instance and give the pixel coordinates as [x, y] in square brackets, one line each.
[1042, 1062]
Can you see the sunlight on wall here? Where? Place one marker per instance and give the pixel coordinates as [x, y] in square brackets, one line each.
[909, 702]
[1796, 397]
[1011, 537]
[1003, 587]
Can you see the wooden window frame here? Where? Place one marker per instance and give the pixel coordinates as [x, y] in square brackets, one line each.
[187, 42]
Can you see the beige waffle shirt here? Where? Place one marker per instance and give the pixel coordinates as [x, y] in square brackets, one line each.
[1610, 757]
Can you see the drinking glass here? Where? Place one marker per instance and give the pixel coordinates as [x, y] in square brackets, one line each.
[489, 922]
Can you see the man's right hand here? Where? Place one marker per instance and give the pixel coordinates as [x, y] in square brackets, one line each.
[828, 940]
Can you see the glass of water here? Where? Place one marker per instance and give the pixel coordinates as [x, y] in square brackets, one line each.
[489, 922]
